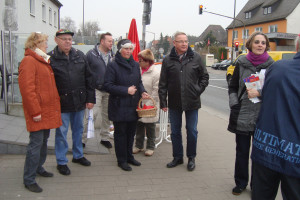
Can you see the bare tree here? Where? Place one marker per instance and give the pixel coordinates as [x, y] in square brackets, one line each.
[68, 23]
[91, 28]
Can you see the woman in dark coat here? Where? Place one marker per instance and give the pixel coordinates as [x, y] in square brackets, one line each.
[244, 112]
[123, 83]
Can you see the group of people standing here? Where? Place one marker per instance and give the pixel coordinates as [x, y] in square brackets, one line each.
[57, 87]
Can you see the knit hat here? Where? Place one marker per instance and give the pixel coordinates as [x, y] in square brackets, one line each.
[125, 43]
[146, 55]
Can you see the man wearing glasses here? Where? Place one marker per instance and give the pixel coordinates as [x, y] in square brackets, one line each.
[183, 79]
[74, 83]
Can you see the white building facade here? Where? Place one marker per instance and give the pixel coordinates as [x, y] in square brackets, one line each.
[26, 16]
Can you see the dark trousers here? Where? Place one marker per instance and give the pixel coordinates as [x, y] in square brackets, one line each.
[141, 128]
[36, 155]
[266, 183]
[123, 138]
[191, 117]
[241, 171]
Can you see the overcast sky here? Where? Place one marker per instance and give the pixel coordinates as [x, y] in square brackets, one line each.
[167, 17]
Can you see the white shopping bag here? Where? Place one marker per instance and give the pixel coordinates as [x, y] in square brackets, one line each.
[90, 128]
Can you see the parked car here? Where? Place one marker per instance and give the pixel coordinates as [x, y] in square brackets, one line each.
[276, 55]
[225, 65]
[217, 65]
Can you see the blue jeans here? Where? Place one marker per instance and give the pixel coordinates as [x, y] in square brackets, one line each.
[61, 143]
[191, 117]
[36, 155]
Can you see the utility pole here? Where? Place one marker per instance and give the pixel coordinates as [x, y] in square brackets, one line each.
[233, 31]
[83, 21]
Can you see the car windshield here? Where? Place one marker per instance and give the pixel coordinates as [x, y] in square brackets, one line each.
[288, 55]
[224, 61]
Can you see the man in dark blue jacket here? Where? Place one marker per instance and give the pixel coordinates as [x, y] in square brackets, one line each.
[74, 83]
[98, 59]
[183, 78]
[276, 141]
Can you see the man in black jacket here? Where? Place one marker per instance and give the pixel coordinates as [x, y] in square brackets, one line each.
[183, 79]
[98, 59]
[74, 83]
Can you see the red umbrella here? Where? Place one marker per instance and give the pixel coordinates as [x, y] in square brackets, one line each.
[222, 56]
[134, 38]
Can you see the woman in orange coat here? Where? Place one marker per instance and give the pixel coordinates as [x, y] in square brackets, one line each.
[41, 106]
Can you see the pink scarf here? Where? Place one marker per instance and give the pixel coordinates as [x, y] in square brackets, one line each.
[257, 59]
[144, 70]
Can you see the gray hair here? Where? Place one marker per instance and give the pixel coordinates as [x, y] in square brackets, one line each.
[297, 43]
[178, 33]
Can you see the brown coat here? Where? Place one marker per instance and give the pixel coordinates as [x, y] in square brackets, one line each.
[39, 93]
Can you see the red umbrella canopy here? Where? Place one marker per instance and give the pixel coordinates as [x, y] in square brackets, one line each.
[134, 38]
[222, 56]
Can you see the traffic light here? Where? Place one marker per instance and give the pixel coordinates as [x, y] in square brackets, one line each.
[200, 9]
[236, 46]
[146, 18]
[147, 11]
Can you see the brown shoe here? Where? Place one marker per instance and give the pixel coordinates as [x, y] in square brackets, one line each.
[149, 152]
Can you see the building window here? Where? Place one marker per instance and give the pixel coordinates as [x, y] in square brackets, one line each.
[55, 18]
[248, 15]
[235, 34]
[50, 16]
[44, 12]
[267, 10]
[258, 29]
[32, 7]
[273, 29]
[246, 33]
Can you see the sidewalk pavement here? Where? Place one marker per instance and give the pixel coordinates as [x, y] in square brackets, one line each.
[211, 180]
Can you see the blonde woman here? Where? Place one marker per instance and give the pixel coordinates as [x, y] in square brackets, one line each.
[40, 104]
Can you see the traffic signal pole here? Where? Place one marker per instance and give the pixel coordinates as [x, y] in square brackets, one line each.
[232, 30]
[146, 20]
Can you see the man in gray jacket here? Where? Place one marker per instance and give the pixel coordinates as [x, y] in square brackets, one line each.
[183, 79]
[98, 58]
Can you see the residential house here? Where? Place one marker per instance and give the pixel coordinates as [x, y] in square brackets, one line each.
[278, 19]
[218, 32]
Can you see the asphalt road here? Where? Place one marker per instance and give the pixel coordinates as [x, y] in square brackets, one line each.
[215, 97]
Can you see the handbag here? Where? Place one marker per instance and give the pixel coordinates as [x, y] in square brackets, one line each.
[90, 128]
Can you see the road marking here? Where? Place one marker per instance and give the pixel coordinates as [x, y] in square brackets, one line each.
[218, 87]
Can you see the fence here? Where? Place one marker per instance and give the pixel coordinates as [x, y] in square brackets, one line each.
[11, 54]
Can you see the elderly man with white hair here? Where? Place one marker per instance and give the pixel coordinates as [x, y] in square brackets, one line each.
[276, 141]
[124, 84]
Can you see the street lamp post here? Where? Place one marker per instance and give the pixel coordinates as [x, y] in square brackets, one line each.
[83, 21]
[153, 35]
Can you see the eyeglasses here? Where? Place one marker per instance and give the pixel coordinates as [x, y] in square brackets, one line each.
[141, 60]
[182, 42]
[65, 39]
[262, 42]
